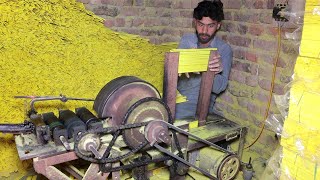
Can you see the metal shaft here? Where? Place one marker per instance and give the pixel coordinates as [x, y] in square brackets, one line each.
[65, 142]
[26, 127]
[94, 151]
[62, 98]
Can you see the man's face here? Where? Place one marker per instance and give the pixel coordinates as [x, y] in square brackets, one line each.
[206, 29]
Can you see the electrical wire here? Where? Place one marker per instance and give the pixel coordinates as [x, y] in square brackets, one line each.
[272, 86]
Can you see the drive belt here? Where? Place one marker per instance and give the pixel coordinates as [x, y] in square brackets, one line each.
[108, 130]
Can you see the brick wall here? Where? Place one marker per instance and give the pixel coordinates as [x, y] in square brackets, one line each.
[252, 33]
[159, 20]
[248, 28]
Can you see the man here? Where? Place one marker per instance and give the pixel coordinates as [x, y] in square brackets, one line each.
[207, 17]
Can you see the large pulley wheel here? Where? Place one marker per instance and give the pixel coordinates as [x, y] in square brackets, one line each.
[229, 167]
[115, 98]
[144, 110]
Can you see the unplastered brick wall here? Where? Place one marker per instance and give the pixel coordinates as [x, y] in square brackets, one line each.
[158, 20]
[250, 30]
[253, 34]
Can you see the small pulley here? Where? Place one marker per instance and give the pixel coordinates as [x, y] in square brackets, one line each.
[144, 110]
[157, 132]
[89, 145]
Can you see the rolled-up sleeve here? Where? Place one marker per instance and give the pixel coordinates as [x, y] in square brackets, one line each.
[221, 80]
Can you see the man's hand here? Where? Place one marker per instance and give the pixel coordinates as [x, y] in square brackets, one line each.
[215, 64]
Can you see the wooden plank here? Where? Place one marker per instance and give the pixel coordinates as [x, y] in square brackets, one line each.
[205, 93]
[93, 172]
[171, 81]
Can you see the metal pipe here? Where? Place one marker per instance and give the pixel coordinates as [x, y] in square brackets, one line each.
[62, 98]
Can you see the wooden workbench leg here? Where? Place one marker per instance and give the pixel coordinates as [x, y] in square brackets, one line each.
[93, 173]
[53, 173]
[73, 171]
[46, 167]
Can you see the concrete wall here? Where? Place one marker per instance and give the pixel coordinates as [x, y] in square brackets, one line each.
[248, 28]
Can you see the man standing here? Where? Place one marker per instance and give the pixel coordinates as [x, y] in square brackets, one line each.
[207, 17]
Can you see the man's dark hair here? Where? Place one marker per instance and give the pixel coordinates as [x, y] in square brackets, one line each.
[212, 9]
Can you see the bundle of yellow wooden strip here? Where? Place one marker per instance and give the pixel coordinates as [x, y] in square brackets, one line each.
[301, 149]
[310, 43]
[193, 60]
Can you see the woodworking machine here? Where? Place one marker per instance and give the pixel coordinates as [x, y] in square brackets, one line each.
[129, 133]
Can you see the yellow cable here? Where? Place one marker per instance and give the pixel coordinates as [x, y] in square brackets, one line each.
[272, 86]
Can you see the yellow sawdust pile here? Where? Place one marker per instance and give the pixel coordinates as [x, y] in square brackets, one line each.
[49, 47]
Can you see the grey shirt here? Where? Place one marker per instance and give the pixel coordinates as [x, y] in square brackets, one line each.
[190, 87]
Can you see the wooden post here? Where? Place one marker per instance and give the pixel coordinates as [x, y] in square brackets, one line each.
[171, 81]
[169, 97]
[205, 93]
